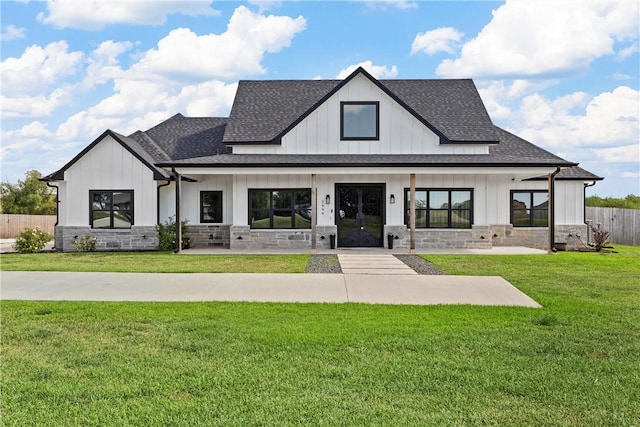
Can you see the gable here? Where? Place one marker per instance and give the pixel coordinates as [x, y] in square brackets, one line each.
[126, 143]
[319, 132]
[264, 111]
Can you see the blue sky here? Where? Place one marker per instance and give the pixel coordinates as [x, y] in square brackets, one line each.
[562, 74]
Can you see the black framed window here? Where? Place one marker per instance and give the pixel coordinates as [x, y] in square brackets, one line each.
[287, 208]
[441, 208]
[529, 208]
[210, 206]
[111, 208]
[360, 120]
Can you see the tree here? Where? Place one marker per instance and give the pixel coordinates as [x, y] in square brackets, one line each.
[31, 196]
[629, 202]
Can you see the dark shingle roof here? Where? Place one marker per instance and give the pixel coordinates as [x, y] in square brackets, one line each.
[453, 107]
[264, 110]
[182, 137]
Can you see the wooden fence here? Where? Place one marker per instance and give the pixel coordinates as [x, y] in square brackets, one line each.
[622, 224]
[12, 224]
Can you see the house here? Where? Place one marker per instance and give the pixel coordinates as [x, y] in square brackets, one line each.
[299, 161]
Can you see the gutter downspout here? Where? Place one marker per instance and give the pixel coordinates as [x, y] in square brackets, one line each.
[178, 248]
[584, 210]
[552, 207]
[584, 200]
[158, 201]
[58, 209]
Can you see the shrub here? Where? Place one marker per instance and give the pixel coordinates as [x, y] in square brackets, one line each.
[32, 240]
[167, 235]
[86, 243]
[600, 237]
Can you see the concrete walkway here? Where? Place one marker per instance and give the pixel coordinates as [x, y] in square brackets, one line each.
[379, 264]
[318, 288]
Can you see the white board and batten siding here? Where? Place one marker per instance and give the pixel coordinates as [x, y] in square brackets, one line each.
[400, 132]
[107, 166]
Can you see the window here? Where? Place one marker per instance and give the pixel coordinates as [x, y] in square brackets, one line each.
[280, 208]
[359, 120]
[441, 208]
[111, 208]
[210, 206]
[529, 208]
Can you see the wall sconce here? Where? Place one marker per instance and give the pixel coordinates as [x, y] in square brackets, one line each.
[392, 199]
[327, 199]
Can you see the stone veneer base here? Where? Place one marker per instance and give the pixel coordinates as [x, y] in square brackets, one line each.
[574, 236]
[138, 238]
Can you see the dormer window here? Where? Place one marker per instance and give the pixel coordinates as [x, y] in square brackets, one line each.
[359, 121]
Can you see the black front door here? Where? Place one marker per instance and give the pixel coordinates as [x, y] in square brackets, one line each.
[359, 215]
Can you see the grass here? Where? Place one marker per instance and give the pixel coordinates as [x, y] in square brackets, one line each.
[574, 362]
[154, 262]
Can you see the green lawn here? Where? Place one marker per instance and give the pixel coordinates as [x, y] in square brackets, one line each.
[154, 262]
[575, 362]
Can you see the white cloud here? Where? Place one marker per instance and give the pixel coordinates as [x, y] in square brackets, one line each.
[624, 154]
[95, 14]
[621, 76]
[443, 39]
[264, 5]
[149, 102]
[537, 38]
[103, 64]
[609, 119]
[238, 51]
[627, 52]
[31, 136]
[377, 71]
[39, 68]
[34, 106]
[11, 32]
[501, 97]
[398, 4]
[630, 174]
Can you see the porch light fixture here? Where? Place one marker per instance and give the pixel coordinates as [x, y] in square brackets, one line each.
[327, 199]
[392, 199]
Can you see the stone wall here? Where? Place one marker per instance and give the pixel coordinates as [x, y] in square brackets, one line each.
[243, 237]
[208, 236]
[573, 235]
[478, 237]
[138, 238]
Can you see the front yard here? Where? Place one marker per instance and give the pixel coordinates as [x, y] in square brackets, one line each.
[574, 362]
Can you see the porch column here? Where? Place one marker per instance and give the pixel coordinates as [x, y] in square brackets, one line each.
[178, 247]
[412, 212]
[314, 210]
[550, 211]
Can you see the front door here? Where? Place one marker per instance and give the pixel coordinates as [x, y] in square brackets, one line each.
[360, 215]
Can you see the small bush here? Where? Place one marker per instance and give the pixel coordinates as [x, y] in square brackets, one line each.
[600, 237]
[167, 235]
[86, 243]
[32, 240]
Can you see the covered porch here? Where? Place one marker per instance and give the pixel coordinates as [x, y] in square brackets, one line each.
[358, 207]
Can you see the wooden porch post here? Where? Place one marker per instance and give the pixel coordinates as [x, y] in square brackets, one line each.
[178, 247]
[550, 211]
[412, 212]
[314, 210]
